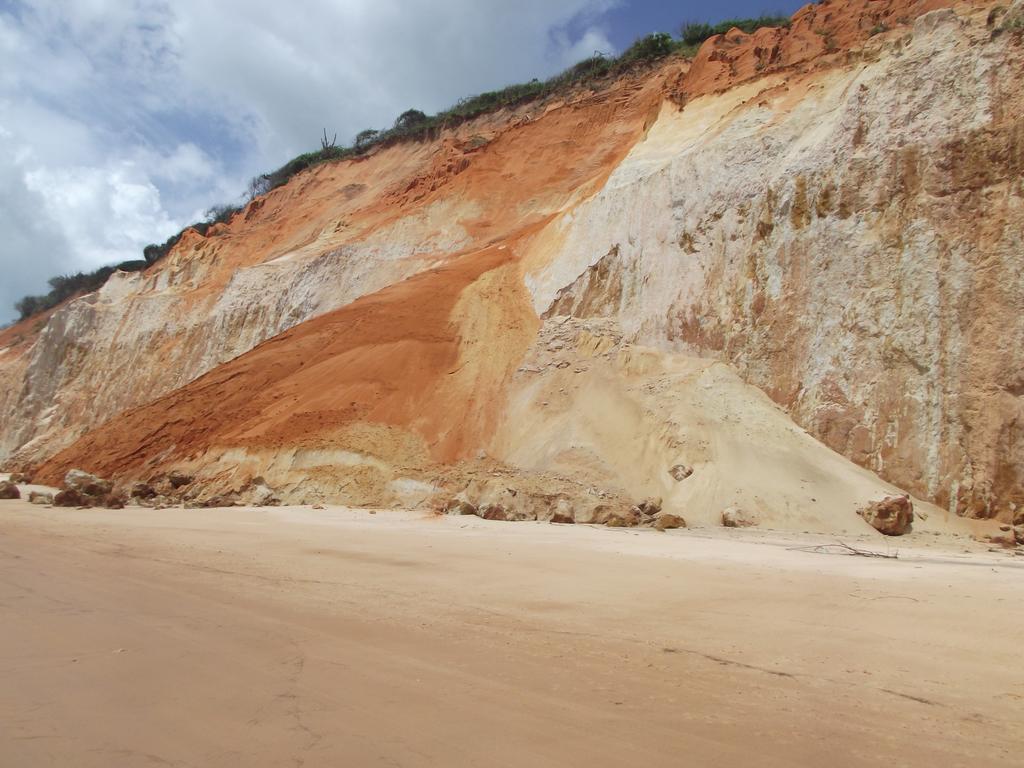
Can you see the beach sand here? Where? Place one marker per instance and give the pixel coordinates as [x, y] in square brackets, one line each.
[298, 637]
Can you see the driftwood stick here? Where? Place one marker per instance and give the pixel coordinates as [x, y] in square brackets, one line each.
[842, 548]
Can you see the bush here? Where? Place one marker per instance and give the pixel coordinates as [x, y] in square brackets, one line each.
[63, 287]
[695, 33]
[366, 139]
[220, 214]
[411, 118]
[650, 48]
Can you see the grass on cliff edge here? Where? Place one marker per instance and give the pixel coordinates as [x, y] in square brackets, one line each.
[414, 125]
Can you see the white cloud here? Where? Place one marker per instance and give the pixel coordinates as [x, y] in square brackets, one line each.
[104, 213]
[121, 119]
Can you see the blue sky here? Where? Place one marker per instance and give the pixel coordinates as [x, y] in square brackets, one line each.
[640, 17]
[121, 122]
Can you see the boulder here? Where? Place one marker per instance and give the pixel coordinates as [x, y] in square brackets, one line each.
[86, 484]
[178, 479]
[219, 501]
[459, 507]
[892, 516]
[666, 521]
[554, 509]
[562, 513]
[733, 517]
[519, 514]
[69, 497]
[622, 518]
[142, 491]
[9, 490]
[680, 472]
[1001, 539]
[1018, 534]
[112, 501]
[649, 507]
[19, 477]
[491, 511]
[35, 497]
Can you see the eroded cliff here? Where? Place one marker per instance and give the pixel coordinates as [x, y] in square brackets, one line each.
[575, 296]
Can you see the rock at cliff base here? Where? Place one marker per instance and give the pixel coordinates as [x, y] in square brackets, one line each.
[112, 501]
[36, 497]
[178, 479]
[142, 491]
[1003, 539]
[649, 507]
[69, 497]
[892, 516]
[219, 501]
[680, 472]
[459, 507]
[490, 512]
[624, 518]
[667, 521]
[562, 517]
[733, 517]
[9, 490]
[19, 477]
[87, 484]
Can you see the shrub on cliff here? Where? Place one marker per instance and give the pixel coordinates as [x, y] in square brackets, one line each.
[649, 48]
[220, 214]
[63, 287]
[696, 32]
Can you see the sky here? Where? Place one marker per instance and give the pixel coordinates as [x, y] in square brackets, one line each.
[121, 121]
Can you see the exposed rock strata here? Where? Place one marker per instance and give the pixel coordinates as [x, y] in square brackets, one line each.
[837, 215]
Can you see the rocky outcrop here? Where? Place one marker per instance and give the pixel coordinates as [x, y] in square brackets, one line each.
[9, 490]
[82, 489]
[86, 484]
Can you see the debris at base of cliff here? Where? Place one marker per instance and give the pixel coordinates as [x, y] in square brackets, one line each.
[87, 484]
[141, 491]
[733, 517]
[178, 479]
[82, 489]
[649, 508]
[667, 521]
[680, 472]
[9, 490]
[38, 497]
[892, 516]
[459, 506]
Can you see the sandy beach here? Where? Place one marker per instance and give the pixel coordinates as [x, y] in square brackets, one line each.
[291, 636]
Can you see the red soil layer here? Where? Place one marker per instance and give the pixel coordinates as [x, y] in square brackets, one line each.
[384, 359]
[820, 33]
